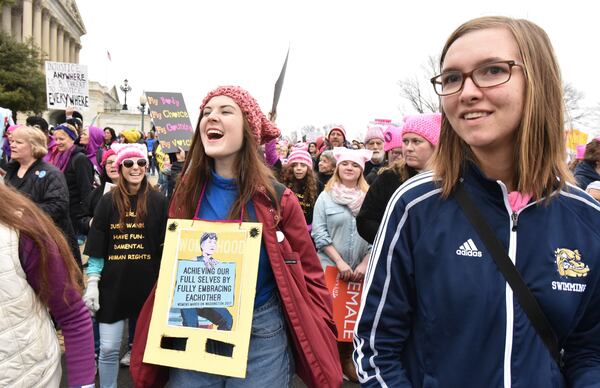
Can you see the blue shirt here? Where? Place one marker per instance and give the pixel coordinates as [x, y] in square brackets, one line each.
[150, 144]
[219, 196]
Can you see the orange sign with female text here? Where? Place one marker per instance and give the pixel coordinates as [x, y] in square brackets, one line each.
[346, 303]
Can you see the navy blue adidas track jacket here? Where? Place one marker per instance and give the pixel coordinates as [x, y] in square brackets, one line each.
[436, 311]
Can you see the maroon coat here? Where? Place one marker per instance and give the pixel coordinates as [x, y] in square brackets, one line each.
[305, 299]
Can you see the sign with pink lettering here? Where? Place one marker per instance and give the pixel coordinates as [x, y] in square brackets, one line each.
[171, 120]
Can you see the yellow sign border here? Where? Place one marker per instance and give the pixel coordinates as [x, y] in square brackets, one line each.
[194, 357]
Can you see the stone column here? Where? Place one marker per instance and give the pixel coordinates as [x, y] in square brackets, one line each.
[17, 25]
[53, 40]
[72, 51]
[77, 48]
[67, 48]
[60, 45]
[6, 19]
[46, 33]
[37, 25]
[27, 20]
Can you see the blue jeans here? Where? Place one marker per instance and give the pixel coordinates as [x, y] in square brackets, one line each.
[270, 360]
[219, 317]
[111, 335]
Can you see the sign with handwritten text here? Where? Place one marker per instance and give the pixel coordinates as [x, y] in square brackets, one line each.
[67, 85]
[171, 120]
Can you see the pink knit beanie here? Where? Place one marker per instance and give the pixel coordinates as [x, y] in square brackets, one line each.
[580, 151]
[374, 132]
[299, 155]
[359, 157]
[124, 151]
[263, 129]
[392, 138]
[426, 125]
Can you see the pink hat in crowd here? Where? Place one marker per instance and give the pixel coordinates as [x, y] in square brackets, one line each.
[299, 155]
[426, 125]
[124, 151]
[12, 128]
[374, 132]
[392, 138]
[300, 146]
[359, 157]
[580, 151]
[339, 128]
[263, 129]
[107, 154]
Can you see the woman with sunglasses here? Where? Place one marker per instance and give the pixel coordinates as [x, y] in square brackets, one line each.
[437, 311]
[225, 179]
[124, 248]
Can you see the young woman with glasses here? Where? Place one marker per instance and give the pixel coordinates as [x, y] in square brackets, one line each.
[436, 309]
[124, 248]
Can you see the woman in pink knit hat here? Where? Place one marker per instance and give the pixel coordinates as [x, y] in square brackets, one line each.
[124, 247]
[420, 135]
[392, 137]
[298, 175]
[224, 179]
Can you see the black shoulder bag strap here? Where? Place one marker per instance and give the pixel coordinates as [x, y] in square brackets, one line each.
[510, 272]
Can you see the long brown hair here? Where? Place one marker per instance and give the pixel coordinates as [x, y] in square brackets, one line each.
[24, 216]
[400, 168]
[121, 199]
[309, 181]
[539, 153]
[253, 176]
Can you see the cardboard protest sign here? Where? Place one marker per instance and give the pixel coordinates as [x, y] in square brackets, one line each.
[573, 138]
[202, 315]
[67, 85]
[346, 303]
[171, 120]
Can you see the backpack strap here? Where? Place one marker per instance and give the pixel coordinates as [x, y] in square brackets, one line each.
[526, 299]
[279, 190]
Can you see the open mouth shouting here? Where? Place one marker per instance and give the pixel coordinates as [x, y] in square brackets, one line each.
[214, 134]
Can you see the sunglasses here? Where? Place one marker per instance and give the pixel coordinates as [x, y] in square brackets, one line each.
[128, 163]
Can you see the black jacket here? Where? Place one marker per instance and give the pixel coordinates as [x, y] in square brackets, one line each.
[80, 177]
[373, 207]
[45, 185]
[585, 174]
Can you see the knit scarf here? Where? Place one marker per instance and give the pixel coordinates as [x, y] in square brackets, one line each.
[60, 159]
[353, 198]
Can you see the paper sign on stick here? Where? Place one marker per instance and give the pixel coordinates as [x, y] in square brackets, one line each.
[171, 120]
[202, 316]
[67, 85]
[346, 303]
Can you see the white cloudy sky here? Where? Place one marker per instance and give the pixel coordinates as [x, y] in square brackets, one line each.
[345, 60]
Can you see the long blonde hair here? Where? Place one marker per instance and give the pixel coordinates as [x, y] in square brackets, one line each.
[539, 154]
[335, 178]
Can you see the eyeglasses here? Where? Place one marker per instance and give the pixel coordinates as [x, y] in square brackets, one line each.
[128, 163]
[486, 76]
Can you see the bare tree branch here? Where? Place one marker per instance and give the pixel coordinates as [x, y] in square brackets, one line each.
[417, 89]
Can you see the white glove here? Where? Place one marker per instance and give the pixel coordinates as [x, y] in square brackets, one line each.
[92, 294]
